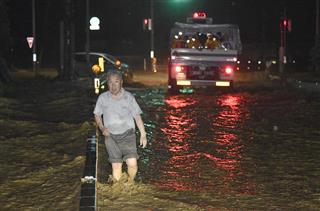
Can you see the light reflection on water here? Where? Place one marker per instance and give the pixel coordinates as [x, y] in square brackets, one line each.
[219, 152]
[198, 153]
[229, 150]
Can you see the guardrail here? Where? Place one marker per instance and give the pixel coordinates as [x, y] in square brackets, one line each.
[88, 195]
[306, 86]
[298, 84]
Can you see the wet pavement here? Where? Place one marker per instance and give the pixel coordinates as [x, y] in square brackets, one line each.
[237, 150]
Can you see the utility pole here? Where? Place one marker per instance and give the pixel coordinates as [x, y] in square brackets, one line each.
[87, 30]
[316, 38]
[152, 57]
[317, 23]
[34, 54]
[282, 48]
[68, 42]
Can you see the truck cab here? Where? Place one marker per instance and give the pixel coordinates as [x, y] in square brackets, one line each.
[202, 54]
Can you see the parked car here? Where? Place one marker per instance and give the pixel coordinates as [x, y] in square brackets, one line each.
[83, 69]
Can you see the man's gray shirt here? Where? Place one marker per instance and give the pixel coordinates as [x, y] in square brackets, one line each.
[118, 114]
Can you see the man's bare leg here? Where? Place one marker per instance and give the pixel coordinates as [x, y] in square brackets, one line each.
[132, 168]
[116, 171]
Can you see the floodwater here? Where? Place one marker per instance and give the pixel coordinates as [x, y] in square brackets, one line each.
[239, 150]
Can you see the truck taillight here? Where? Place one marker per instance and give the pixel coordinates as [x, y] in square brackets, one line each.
[228, 70]
[179, 69]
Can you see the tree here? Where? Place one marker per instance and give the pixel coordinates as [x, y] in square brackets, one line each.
[5, 41]
[315, 56]
[67, 72]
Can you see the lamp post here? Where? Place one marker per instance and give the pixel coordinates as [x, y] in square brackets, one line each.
[152, 29]
[152, 57]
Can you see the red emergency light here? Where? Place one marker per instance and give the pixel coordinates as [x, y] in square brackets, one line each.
[199, 15]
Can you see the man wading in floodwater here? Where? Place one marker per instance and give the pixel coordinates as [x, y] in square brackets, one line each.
[119, 109]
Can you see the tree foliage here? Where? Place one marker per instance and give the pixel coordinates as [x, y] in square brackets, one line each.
[4, 44]
[315, 56]
[4, 28]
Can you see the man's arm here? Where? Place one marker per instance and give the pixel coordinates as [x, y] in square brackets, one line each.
[143, 135]
[100, 125]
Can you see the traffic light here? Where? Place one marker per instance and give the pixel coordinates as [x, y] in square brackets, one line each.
[145, 24]
[150, 24]
[285, 24]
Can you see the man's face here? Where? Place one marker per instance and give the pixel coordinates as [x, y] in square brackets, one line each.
[115, 84]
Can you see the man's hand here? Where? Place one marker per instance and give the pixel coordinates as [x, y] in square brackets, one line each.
[143, 141]
[105, 131]
[143, 135]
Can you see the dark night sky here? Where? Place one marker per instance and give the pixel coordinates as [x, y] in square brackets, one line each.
[121, 23]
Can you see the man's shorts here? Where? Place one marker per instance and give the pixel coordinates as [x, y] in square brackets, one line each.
[120, 147]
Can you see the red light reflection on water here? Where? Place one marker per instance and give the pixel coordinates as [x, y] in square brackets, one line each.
[230, 113]
[228, 154]
[178, 102]
[230, 100]
[177, 170]
[196, 159]
[178, 124]
[181, 172]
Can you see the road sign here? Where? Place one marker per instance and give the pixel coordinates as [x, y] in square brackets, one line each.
[30, 41]
[101, 63]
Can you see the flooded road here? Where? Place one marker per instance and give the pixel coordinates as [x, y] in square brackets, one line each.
[240, 150]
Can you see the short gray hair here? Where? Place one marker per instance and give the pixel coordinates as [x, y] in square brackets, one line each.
[114, 72]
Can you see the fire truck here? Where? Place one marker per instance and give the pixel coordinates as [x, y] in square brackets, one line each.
[202, 54]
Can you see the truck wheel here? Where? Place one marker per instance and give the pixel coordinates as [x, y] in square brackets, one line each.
[231, 84]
